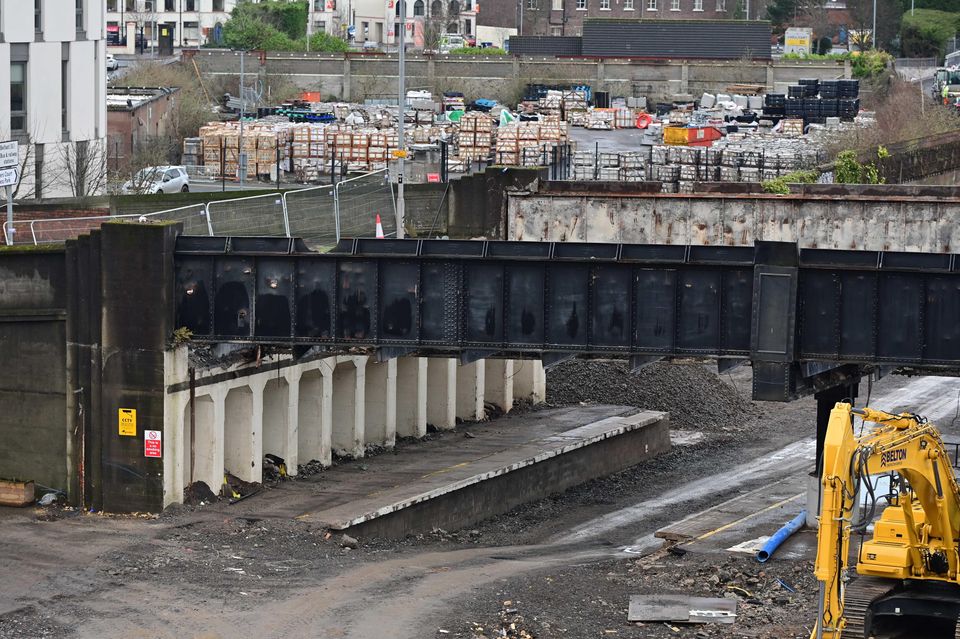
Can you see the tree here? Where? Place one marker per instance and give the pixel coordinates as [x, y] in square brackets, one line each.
[85, 167]
[779, 12]
[142, 15]
[435, 23]
[889, 14]
[274, 25]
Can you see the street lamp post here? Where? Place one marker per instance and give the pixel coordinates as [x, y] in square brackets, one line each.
[401, 90]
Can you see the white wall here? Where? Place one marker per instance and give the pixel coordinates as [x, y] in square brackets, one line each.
[17, 24]
[43, 92]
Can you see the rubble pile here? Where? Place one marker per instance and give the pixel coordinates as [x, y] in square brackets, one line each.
[708, 402]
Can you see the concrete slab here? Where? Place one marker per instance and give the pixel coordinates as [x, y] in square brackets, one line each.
[733, 514]
[455, 481]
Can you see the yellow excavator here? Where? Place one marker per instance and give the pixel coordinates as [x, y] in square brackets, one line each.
[906, 583]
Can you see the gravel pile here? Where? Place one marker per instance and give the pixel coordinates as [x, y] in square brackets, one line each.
[695, 396]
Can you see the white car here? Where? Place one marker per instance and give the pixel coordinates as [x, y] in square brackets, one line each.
[112, 64]
[158, 179]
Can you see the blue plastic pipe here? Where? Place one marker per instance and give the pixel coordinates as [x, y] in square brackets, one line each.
[795, 524]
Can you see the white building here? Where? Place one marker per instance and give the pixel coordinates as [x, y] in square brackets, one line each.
[190, 23]
[53, 86]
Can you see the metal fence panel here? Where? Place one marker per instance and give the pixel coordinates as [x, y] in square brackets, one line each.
[248, 216]
[312, 215]
[359, 202]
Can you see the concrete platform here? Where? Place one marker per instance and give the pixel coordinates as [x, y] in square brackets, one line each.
[462, 479]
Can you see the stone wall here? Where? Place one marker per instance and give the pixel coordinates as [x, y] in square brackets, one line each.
[357, 77]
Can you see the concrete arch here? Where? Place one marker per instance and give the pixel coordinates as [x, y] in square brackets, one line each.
[240, 438]
[198, 450]
[348, 407]
[380, 425]
[313, 434]
[276, 417]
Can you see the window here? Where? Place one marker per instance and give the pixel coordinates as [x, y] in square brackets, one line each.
[721, 5]
[674, 5]
[37, 17]
[556, 31]
[64, 81]
[396, 8]
[533, 4]
[80, 23]
[418, 8]
[651, 5]
[148, 5]
[698, 5]
[454, 9]
[168, 5]
[111, 5]
[557, 5]
[581, 5]
[628, 5]
[436, 8]
[467, 27]
[18, 96]
[130, 5]
[191, 30]
[191, 5]
[218, 5]
[604, 5]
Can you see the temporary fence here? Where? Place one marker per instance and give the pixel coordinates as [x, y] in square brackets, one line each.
[320, 215]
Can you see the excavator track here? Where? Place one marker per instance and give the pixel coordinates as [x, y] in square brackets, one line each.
[859, 594]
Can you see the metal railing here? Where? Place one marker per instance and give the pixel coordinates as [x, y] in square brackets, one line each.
[319, 215]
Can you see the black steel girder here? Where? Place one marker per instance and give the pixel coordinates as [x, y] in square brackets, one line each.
[807, 319]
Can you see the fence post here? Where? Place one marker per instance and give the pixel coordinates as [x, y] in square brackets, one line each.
[336, 210]
[206, 210]
[286, 218]
[33, 232]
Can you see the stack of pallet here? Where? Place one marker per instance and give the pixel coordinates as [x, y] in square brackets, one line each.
[475, 138]
[530, 143]
[192, 151]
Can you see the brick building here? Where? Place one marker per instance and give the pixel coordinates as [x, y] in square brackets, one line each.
[565, 17]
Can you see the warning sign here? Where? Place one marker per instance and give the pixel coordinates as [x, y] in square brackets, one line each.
[127, 420]
[152, 443]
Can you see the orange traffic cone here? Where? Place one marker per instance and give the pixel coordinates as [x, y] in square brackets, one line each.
[379, 228]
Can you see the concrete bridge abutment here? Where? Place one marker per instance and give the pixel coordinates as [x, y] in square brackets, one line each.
[304, 411]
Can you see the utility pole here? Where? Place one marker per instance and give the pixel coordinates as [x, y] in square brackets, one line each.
[401, 90]
[242, 156]
[873, 35]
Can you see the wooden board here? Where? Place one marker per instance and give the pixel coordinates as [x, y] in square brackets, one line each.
[681, 609]
[16, 493]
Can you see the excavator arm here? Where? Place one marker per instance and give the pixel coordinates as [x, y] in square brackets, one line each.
[915, 539]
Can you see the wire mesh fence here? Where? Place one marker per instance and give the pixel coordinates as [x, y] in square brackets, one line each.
[54, 230]
[312, 215]
[320, 215]
[361, 199]
[254, 215]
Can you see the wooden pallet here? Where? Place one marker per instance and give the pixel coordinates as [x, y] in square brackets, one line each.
[16, 493]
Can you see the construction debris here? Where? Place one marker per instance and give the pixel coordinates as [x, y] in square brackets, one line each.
[681, 609]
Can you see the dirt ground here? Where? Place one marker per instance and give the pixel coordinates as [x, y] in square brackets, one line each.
[564, 566]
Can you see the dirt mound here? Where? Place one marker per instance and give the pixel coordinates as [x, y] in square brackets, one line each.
[695, 397]
[197, 493]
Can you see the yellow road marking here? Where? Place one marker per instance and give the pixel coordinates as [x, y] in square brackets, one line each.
[745, 517]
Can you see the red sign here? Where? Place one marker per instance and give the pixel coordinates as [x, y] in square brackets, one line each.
[152, 443]
[433, 177]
